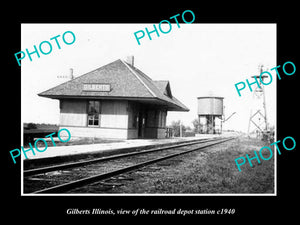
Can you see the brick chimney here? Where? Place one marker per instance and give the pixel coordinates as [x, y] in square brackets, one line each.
[130, 60]
[71, 74]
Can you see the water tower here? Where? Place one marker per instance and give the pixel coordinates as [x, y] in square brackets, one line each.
[210, 112]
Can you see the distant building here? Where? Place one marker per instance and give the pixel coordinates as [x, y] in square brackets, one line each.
[115, 101]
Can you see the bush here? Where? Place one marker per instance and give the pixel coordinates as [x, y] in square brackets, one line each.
[31, 126]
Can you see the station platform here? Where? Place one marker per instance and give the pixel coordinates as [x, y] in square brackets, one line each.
[69, 150]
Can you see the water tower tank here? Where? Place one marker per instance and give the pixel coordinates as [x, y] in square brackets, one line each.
[210, 106]
[210, 112]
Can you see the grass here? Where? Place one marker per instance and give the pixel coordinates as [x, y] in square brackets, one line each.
[212, 171]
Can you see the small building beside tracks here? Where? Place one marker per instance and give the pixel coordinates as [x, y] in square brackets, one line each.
[116, 100]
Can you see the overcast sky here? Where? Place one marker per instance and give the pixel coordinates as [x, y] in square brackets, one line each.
[197, 59]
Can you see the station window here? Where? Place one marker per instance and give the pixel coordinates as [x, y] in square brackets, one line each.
[93, 113]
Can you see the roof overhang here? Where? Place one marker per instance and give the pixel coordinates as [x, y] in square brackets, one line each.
[153, 101]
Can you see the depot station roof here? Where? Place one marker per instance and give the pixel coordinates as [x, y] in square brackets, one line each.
[117, 80]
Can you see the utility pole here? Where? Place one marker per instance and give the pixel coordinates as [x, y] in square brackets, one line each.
[180, 128]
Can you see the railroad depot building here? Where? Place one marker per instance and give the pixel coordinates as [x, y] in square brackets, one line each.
[115, 101]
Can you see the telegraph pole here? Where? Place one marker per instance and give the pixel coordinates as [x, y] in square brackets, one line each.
[180, 128]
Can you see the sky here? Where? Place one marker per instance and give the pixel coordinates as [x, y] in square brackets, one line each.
[197, 59]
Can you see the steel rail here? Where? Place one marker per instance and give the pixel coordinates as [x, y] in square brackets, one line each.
[92, 179]
[31, 172]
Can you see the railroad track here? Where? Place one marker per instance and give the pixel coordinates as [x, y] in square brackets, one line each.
[65, 177]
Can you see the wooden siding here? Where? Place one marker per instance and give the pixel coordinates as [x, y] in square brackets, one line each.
[114, 114]
[73, 112]
[155, 133]
[109, 133]
[156, 118]
[118, 119]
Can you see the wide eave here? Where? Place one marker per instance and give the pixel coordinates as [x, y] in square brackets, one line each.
[126, 83]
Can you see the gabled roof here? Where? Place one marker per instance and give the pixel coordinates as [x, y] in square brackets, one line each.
[164, 87]
[126, 82]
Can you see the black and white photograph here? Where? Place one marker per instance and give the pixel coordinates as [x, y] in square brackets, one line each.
[174, 114]
[127, 113]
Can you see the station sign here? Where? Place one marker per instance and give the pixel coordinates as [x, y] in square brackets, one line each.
[96, 87]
